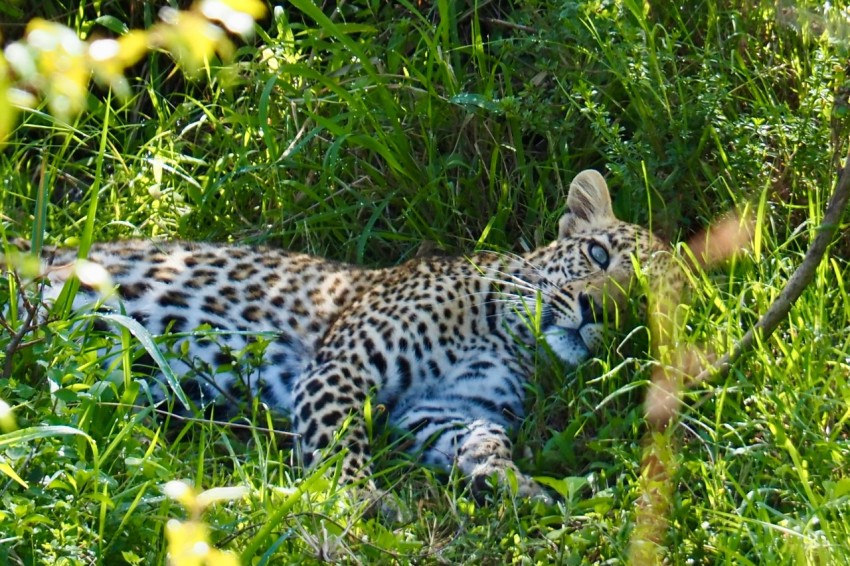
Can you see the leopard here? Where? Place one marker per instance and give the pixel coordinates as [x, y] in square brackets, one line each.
[446, 346]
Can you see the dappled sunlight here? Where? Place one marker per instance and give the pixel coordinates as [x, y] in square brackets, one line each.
[677, 363]
[363, 131]
[726, 237]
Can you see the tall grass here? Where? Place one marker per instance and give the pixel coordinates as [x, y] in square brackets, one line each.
[374, 131]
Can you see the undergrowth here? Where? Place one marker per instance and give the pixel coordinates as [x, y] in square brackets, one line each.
[374, 131]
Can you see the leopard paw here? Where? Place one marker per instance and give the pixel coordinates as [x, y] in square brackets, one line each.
[504, 473]
[379, 504]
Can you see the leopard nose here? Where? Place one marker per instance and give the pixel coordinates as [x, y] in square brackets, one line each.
[586, 309]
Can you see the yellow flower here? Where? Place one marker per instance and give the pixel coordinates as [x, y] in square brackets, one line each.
[236, 15]
[7, 110]
[110, 58]
[190, 38]
[61, 71]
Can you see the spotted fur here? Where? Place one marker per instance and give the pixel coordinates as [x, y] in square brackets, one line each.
[445, 344]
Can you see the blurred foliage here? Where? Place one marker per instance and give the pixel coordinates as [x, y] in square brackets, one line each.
[371, 131]
[51, 61]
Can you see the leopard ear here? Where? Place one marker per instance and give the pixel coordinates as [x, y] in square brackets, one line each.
[589, 204]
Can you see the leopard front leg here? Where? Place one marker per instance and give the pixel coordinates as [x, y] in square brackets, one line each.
[485, 453]
[324, 398]
[478, 447]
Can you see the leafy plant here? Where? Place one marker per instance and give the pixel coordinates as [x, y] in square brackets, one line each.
[373, 131]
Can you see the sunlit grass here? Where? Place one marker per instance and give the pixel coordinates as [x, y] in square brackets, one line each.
[378, 132]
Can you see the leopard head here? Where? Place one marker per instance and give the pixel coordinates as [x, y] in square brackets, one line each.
[587, 275]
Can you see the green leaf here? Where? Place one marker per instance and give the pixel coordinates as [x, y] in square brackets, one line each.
[113, 24]
[840, 488]
[147, 342]
[5, 468]
[471, 99]
[37, 432]
[567, 487]
[66, 395]
[12, 12]
[131, 557]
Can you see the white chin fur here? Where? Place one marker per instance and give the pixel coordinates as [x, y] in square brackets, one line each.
[567, 344]
[591, 335]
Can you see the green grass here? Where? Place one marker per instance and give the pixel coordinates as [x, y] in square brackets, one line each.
[383, 129]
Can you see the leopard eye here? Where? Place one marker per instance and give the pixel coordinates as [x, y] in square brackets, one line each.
[599, 254]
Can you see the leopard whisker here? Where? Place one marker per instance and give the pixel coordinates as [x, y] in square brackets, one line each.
[518, 285]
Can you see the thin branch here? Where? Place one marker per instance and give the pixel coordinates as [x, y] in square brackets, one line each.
[509, 25]
[26, 328]
[800, 279]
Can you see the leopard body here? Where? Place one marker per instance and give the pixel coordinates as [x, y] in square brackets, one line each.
[446, 345]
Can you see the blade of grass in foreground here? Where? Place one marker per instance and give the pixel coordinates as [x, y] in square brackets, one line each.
[147, 341]
[65, 300]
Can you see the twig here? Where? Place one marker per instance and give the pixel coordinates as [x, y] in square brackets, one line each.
[658, 465]
[800, 279]
[25, 328]
[509, 25]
